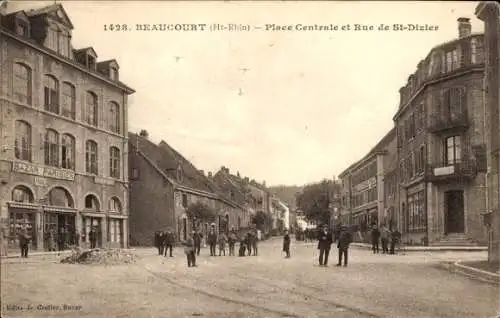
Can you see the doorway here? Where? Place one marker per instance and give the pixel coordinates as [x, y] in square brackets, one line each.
[454, 212]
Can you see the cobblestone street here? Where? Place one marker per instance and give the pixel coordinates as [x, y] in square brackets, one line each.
[265, 286]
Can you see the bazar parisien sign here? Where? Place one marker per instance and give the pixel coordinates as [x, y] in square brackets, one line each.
[43, 171]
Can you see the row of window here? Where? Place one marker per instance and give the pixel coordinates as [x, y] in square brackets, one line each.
[59, 150]
[367, 196]
[413, 165]
[364, 174]
[411, 126]
[467, 52]
[61, 99]
[390, 184]
[414, 214]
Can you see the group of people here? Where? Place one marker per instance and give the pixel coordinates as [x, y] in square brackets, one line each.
[388, 239]
[218, 243]
[325, 240]
[164, 241]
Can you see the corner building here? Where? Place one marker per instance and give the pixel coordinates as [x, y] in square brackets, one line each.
[441, 145]
[63, 161]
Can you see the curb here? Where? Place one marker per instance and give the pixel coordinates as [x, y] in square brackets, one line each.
[495, 278]
[432, 248]
[38, 254]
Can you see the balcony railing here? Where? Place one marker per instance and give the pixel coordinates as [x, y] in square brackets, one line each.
[464, 170]
[454, 121]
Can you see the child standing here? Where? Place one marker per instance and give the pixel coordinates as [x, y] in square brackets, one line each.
[222, 244]
[286, 244]
[189, 251]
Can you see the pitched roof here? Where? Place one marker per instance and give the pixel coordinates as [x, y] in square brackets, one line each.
[49, 9]
[168, 160]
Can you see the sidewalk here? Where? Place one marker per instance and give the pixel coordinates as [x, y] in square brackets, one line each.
[430, 248]
[461, 268]
[60, 253]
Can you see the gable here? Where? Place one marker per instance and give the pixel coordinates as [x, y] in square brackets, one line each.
[55, 13]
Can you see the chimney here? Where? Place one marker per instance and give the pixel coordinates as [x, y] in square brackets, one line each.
[246, 180]
[464, 27]
[210, 174]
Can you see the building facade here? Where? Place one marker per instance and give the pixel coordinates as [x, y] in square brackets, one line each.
[489, 12]
[363, 187]
[63, 164]
[441, 144]
[163, 185]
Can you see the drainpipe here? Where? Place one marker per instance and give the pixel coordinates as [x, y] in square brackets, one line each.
[487, 174]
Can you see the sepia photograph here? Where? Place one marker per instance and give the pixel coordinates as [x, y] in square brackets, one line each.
[250, 159]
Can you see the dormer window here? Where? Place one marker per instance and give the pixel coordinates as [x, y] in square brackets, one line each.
[63, 45]
[113, 73]
[22, 28]
[91, 62]
[86, 57]
[179, 173]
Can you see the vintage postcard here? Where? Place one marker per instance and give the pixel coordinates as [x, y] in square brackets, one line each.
[250, 159]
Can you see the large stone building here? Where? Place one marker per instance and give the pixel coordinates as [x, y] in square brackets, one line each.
[364, 184]
[441, 144]
[163, 184]
[63, 134]
[489, 12]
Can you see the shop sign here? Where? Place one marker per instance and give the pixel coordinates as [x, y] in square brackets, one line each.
[43, 171]
[444, 171]
[104, 181]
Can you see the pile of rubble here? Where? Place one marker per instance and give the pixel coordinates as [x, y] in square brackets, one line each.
[100, 257]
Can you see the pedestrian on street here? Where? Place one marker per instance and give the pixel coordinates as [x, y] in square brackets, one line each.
[255, 242]
[286, 244]
[384, 238]
[189, 250]
[51, 241]
[157, 242]
[345, 238]
[243, 246]
[248, 241]
[161, 239]
[325, 241]
[92, 237]
[24, 241]
[232, 241]
[168, 241]
[222, 244]
[197, 242]
[212, 240]
[395, 239]
[375, 236]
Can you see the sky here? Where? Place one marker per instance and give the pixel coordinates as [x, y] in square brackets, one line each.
[285, 107]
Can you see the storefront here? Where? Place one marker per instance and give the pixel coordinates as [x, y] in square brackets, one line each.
[92, 221]
[59, 228]
[22, 217]
[116, 230]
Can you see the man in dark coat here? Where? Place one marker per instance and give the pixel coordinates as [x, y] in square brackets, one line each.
[395, 239]
[197, 236]
[249, 242]
[168, 241]
[232, 238]
[189, 251]
[255, 242]
[375, 236]
[24, 241]
[92, 237]
[212, 240]
[161, 238]
[325, 240]
[286, 244]
[345, 238]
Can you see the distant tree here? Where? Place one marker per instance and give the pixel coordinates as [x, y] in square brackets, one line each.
[144, 133]
[262, 221]
[314, 200]
[201, 211]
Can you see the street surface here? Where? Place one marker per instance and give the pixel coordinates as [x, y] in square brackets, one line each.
[267, 285]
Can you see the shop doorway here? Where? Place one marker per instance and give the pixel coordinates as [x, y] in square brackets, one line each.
[454, 212]
[22, 220]
[92, 223]
[59, 231]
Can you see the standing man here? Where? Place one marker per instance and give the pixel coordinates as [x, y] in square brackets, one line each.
[248, 241]
[345, 238]
[212, 240]
[92, 237]
[325, 241]
[395, 239]
[189, 250]
[197, 242]
[169, 240]
[161, 239]
[384, 238]
[286, 244]
[232, 241]
[24, 241]
[255, 242]
[375, 236]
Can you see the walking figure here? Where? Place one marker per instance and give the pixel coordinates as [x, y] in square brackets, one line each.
[189, 251]
[212, 240]
[375, 236]
[232, 242]
[168, 242]
[222, 244]
[345, 238]
[325, 241]
[286, 244]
